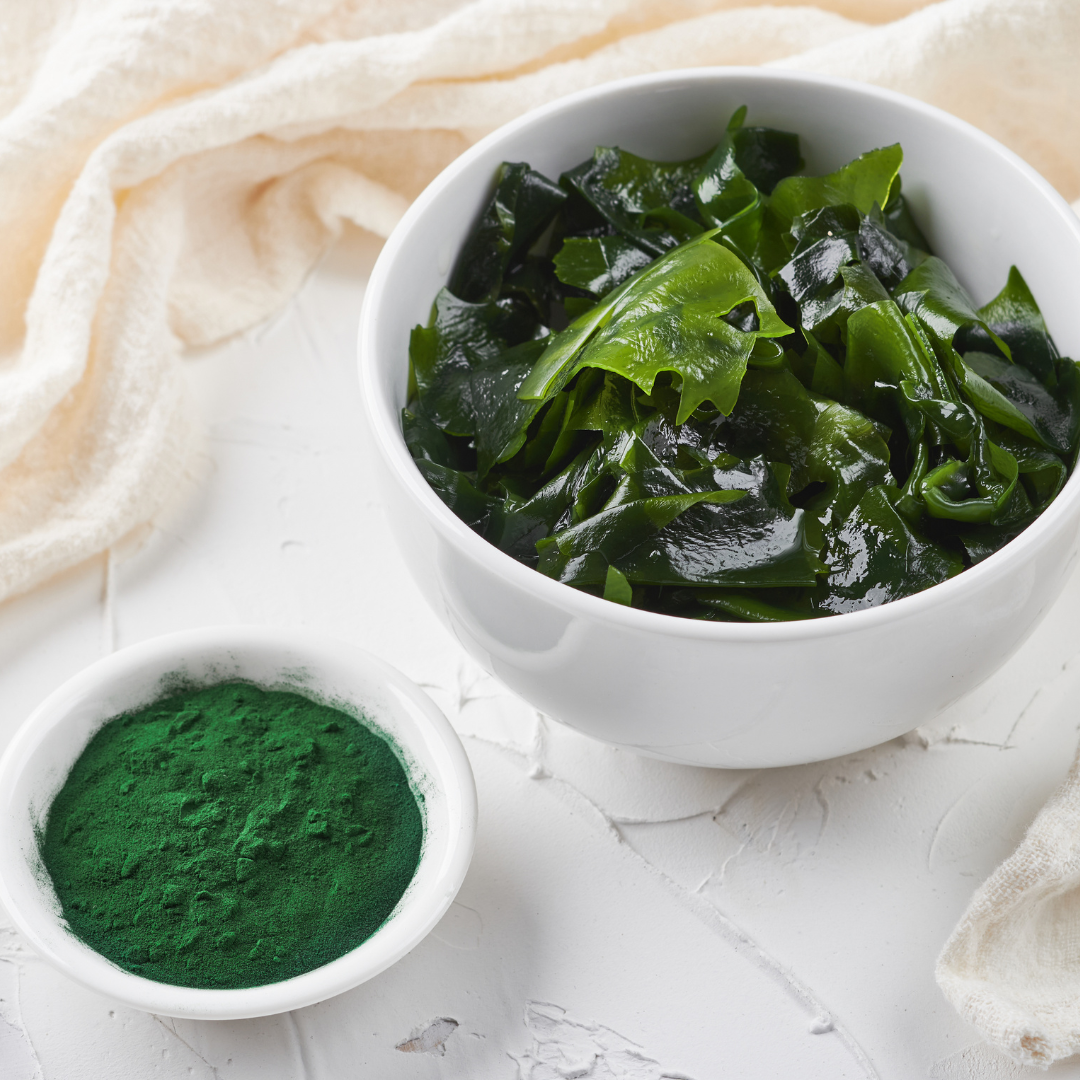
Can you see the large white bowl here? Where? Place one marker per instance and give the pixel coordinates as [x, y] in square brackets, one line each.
[39, 758]
[722, 693]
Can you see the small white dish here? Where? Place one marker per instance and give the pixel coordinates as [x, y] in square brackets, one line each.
[730, 694]
[40, 756]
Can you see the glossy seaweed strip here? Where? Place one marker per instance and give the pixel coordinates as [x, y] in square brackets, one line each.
[721, 389]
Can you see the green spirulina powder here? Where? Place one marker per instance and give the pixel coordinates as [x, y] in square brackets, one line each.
[231, 836]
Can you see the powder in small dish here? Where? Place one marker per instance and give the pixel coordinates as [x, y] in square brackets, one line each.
[231, 836]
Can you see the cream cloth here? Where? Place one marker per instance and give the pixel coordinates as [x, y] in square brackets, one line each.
[1012, 965]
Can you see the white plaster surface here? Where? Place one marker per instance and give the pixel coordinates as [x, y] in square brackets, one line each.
[623, 919]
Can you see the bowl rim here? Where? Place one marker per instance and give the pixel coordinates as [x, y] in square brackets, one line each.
[391, 444]
[396, 937]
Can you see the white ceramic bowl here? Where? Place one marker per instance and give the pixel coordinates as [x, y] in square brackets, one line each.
[723, 693]
[39, 758]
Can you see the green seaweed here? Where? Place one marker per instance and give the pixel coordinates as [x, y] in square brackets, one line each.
[720, 389]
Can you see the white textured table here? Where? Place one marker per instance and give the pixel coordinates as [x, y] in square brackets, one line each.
[622, 918]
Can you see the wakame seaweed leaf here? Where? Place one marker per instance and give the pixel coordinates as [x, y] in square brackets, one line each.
[758, 540]
[622, 188]
[975, 491]
[732, 189]
[901, 223]
[722, 190]
[884, 351]
[826, 241]
[524, 204]
[877, 556]
[598, 264]
[720, 390]
[443, 355]
[1014, 396]
[764, 155]
[823, 441]
[668, 317]
[827, 314]
[617, 588]
[727, 523]
[933, 295]
[890, 258]
[500, 417]
[865, 182]
[1015, 319]
[615, 532]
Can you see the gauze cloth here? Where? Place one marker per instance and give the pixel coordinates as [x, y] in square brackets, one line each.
[1012, 965]
[170, 170]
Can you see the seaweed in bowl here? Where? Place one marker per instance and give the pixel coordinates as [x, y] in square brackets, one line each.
[720, 389]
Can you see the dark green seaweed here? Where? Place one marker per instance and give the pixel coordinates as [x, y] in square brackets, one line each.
[720, 389]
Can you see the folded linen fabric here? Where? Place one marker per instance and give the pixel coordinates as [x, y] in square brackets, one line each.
[1012, 965]
[169, 172]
